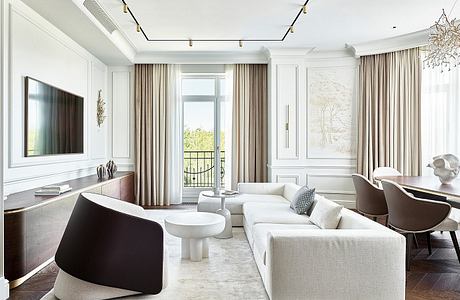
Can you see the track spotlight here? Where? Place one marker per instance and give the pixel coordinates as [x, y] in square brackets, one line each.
[138, 28]
[291, 29]
[190, 43]
[240, 43]
[125, 8]
[304, 9]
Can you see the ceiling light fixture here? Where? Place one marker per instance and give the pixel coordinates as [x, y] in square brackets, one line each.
[443, 43]
[290, 29]
[240, 43]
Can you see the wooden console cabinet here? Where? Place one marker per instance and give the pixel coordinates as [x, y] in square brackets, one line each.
[34, 225]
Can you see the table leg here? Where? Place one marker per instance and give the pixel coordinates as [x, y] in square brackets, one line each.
[227, 233]
[196, 249]
[185, 248]
[205, 247]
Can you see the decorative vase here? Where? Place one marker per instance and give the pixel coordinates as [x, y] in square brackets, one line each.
[111, 168]
[446, 167]
[100, 171]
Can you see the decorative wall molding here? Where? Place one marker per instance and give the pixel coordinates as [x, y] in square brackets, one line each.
[58, 60]
[287, 110]
[199, 57]
[407, 41]
[288, 178]
[330, 175]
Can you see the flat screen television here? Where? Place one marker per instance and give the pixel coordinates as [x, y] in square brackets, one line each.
[53, 120]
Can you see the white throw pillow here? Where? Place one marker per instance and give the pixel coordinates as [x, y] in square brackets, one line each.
[326, 214]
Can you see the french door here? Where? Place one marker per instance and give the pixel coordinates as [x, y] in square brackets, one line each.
[207, 133]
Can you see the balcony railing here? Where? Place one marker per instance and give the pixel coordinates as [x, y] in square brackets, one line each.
[199, 168]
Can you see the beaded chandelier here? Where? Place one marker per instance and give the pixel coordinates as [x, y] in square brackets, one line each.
[444, 44]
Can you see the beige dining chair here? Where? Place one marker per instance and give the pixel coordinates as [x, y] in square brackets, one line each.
[383, 172]
[370, 199]
[409, 215]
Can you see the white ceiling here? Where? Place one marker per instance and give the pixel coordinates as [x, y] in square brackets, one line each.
[328, 25]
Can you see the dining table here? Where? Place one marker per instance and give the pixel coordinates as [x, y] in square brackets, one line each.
[429, 187]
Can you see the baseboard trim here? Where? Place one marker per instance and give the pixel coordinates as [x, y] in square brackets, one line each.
[19, 281]
[5, 288]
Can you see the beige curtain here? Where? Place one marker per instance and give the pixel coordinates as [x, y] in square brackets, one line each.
[249, 134]
[389, 112]
[158, 169]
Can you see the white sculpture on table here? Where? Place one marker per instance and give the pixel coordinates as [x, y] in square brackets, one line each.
[446, 167]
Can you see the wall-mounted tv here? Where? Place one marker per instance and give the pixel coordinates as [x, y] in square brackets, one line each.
[53, 120]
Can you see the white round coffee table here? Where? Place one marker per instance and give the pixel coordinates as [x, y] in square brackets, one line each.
[194, 228]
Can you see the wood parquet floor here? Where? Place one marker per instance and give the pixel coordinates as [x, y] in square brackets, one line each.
[435, 276]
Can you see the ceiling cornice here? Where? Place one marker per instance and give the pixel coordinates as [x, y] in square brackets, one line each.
[291, 52]
[406, 41]
[199, 57]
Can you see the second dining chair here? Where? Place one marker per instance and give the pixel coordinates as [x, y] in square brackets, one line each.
[370, 199]
[410, 215]
[382, 172]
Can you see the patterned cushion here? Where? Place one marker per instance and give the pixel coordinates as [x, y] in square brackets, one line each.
[302, 200]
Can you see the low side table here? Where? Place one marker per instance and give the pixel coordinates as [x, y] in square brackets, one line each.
[194, 228]
[227, 233]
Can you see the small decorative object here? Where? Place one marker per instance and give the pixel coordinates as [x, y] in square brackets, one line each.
[446, 167]
[111, 168]
[100, 109]
[101, 171]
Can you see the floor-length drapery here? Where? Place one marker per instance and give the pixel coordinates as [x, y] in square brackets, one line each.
[389, 112]
[249, 134]
[158, 135]
[440, 114]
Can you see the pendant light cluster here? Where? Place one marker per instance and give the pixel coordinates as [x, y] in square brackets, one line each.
[139, 29]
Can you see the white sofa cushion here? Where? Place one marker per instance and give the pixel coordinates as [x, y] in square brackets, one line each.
[326, 214]
[235, 205]
[281, 213]
[261, 230]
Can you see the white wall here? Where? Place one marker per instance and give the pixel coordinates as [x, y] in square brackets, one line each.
[121, 116]
[40, 50]
[315, 94]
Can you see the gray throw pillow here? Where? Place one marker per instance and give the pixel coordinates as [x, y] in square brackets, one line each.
[303, 200]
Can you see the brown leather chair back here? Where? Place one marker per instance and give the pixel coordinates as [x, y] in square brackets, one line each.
[370, 200]
[411, 214]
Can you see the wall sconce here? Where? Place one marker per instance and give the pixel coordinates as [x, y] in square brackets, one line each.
[100, 110]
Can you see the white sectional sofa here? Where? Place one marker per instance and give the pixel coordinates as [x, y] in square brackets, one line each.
[297, 260]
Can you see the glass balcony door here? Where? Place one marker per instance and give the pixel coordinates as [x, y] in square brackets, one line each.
[203, 98]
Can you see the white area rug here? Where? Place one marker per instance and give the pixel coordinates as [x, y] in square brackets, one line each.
[229, 273]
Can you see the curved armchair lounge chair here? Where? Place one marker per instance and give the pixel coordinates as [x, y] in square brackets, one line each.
[370, 199]
[109, 249]
[409, 215]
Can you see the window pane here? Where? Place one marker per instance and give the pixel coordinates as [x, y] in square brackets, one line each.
[198, 86]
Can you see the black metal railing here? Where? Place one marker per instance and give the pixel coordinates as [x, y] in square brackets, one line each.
[199, 168]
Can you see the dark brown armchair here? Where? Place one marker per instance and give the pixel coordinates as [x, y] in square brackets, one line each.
[109, 249]
[370, 199]
[409, 215]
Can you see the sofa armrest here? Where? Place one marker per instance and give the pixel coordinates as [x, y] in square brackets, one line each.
[335, 264]
[263, 188]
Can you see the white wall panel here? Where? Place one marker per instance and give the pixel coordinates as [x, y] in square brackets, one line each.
[287, 102]
[121, 109]
[40, 50]
[326, 166]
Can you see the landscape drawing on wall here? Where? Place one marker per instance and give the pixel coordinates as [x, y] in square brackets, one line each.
[331, 105]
